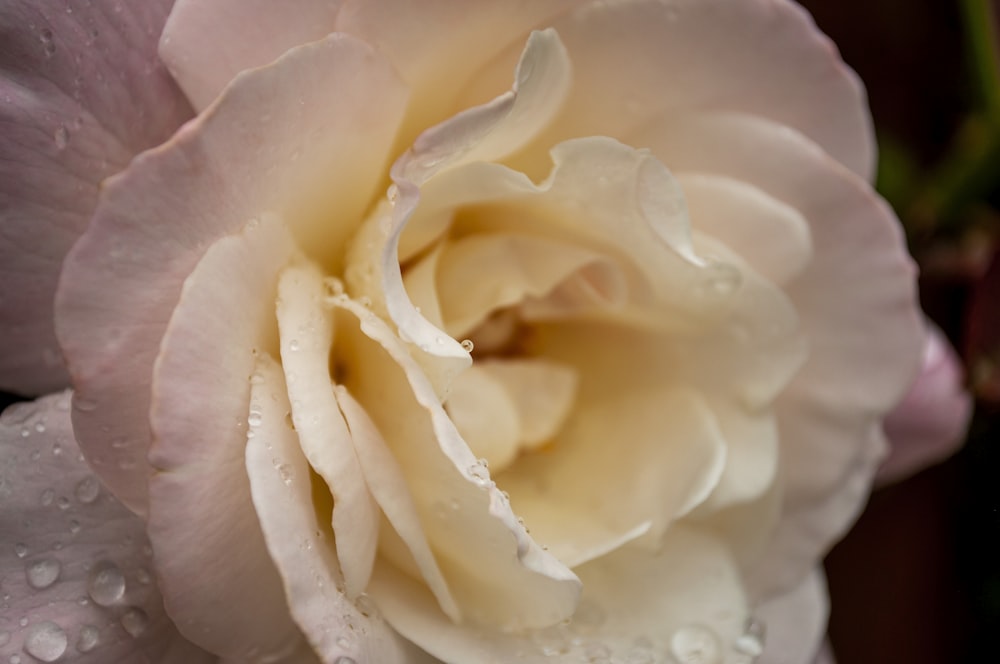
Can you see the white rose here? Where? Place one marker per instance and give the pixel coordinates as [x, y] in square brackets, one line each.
[648, 284]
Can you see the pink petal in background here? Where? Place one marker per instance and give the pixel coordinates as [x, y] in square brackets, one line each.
[930, 423]
[81, 92]
[75, 565]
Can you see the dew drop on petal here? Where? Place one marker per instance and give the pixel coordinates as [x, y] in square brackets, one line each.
[47, 497]
[46, 641]
[695, 644]
[467, 345]
[89, 637]
[42, 573]
[21, 550]
[135, 621]
[106, 584]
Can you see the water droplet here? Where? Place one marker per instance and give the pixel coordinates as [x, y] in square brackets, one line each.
[293, 345]
[254, 418]
[61, 135]
[256, 378]
[106, 584]
[749, 645]
[135, 621]
[63, 503]
[366, 605]
[480, 475]
[467, 345]
[23, 622]
[87, 490]
[40, 427]
[720, 279]
[343, 642]
[45, 35]
[89, 637]
[42, 573]
[47, 497]
[21, 550]
[695, 644]
[46, 641]
[74, 526]
[285, 472]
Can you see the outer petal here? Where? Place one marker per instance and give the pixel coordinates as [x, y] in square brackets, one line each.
[638, 59]
[684, 600]
[856, 301]
[796, 622]
[930, 422]
[82, 91]
[75, 563]
[206, 44]
[200, 504]
[311, 129]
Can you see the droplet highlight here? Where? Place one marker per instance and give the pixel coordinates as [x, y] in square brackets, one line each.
[42, 573]
[46, 642]
[106, 584]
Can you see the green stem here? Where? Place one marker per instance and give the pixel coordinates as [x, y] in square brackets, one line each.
[980, 29]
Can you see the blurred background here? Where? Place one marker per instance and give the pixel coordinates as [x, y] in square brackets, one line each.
[918, 579]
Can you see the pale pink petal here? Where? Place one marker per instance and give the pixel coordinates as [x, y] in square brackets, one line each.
[856, 301]
[206, 44]
[636, 60]
[682, 601]
[795, 622]
[930, 423]
[82, 91]
[296, 527]
[78, 578]
[438, 46]
[308, 134]
[496, 571]
[219, 583]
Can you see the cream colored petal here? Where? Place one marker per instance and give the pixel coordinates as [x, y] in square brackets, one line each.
[772, 237]
[480, 133]
[306, 329]
[680, 603]
[438, 46]
[486, 417]
[300, 540]
[645, 456]
[388, 485]
[542, 391]
[498, 574]
[420, 281]
[479, 274]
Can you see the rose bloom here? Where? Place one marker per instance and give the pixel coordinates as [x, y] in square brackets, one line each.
[480, 331]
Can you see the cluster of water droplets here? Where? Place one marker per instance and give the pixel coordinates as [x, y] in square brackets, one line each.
[577, 640]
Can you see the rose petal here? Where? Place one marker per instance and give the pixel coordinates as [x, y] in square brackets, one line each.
[770, 236]
[300, 540]
[82, 92]
[930, 423]
[306, 330]
[438, 46]
[634, 61]
[200, 498]
[498, 574]
[206, 44]
[796, 622]
[388, 484]
[275, 131]
[856, 301]
[542, 391]
[76, 565]
[619, 462]
[636, 603]
[485, 416]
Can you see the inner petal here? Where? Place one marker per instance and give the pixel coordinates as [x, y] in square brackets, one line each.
[306, 330]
